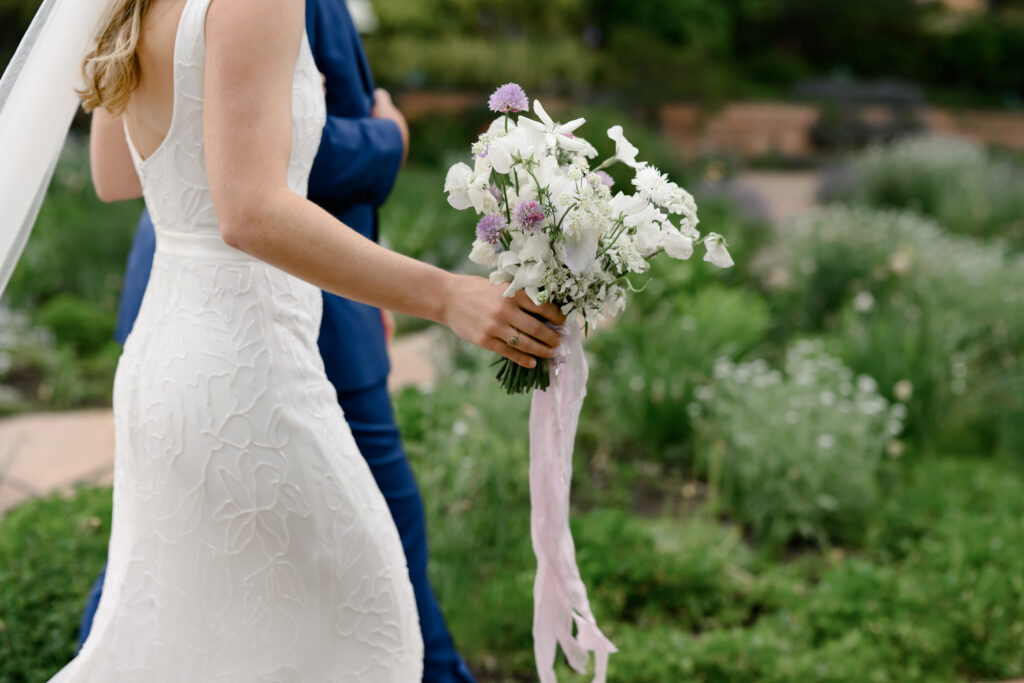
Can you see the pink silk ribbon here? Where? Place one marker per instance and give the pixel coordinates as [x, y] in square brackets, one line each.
[559, 596]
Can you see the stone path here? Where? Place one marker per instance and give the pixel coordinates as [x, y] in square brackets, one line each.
[48, 452]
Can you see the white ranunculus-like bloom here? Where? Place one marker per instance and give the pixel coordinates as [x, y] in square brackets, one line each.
[624, 149]
[484, 254]
[456, 184]
[717, 254]
[677, 245]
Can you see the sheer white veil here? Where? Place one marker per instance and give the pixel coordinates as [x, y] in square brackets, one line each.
[37, 104]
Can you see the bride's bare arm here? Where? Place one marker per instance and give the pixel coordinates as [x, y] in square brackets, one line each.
[251, 51]
[113, 173]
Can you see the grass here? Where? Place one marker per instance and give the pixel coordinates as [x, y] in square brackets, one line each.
[935, 594]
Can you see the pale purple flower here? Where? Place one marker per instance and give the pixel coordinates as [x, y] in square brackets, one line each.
[508, 98]
[496, 193]
[490, 227]
[529, 215]
[604, 178]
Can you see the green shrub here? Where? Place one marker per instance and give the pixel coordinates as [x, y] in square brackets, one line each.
[51, 551]
[795, 454]
[937, 319]
[647, 364]
[957, 182]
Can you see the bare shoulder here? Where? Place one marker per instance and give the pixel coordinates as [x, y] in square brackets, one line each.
[251, 28]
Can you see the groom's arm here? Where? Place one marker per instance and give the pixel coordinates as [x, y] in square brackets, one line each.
[358, 161]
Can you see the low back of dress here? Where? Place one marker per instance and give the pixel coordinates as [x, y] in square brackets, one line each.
[249, 541]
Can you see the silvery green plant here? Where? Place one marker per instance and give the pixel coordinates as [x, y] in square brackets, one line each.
[959, 183]
[551, 225]
[793, 453]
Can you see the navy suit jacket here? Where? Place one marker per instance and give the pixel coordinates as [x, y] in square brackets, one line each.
[353, 174]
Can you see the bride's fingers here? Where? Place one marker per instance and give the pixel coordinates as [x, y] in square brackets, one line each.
[513, 354]
[538, 330]
[548, 311]
[527, 344]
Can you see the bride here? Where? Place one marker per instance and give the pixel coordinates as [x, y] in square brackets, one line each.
[249, 541]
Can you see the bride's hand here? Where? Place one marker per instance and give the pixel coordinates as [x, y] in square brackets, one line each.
[479, 312]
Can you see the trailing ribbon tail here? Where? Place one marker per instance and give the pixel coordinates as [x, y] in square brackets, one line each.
[559, 596]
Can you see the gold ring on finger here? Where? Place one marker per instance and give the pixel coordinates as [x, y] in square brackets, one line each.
[513, 341]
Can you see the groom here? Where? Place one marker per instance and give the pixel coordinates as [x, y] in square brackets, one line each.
[364, 143]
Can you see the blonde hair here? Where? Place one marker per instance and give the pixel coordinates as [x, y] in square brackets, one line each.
[111, 70]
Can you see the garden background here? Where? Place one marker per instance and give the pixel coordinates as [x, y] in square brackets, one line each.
[805, 468]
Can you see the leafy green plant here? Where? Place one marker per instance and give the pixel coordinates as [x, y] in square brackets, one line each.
[795, 454]
[51, 551]
[937, 319]
[646, 366]
[959, 183]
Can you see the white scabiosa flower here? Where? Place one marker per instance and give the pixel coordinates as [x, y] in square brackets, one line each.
[717, 253]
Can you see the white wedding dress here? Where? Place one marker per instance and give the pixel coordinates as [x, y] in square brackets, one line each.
[249, 542]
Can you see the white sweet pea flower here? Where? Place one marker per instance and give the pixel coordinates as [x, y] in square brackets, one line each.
[624, 149]
[579, 250]
[484, 254]
[623, 205]
[717, 252]
[456, 184]
[648, 238]
[536, 247]
[677, 245]
[504, 150]
[553, 134]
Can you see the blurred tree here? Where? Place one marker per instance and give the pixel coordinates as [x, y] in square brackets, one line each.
[15, 15]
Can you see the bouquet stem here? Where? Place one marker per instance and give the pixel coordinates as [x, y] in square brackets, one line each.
[516, 379]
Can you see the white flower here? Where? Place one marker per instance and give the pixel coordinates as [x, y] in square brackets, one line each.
[456, 184]
[717, 252]
[653, 184]
[484, 254]
[624, 149]
[903, 390]
[468, 187]
[579, 251]
[554, 134]
[863, 302]
[503, 151]
[677, 245]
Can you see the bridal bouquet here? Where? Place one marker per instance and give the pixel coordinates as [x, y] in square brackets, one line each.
[552, 225]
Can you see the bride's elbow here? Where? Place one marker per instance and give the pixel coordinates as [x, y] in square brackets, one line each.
[240, 226]
[245, 218]
[109, 191]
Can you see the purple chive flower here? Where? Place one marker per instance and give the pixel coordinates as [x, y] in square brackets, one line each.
[529, 215]
[508, 98]
[490, 227]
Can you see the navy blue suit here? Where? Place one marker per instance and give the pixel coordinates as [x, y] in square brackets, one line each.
[353, 174]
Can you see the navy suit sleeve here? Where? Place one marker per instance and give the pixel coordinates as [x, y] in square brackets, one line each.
[358, 161]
